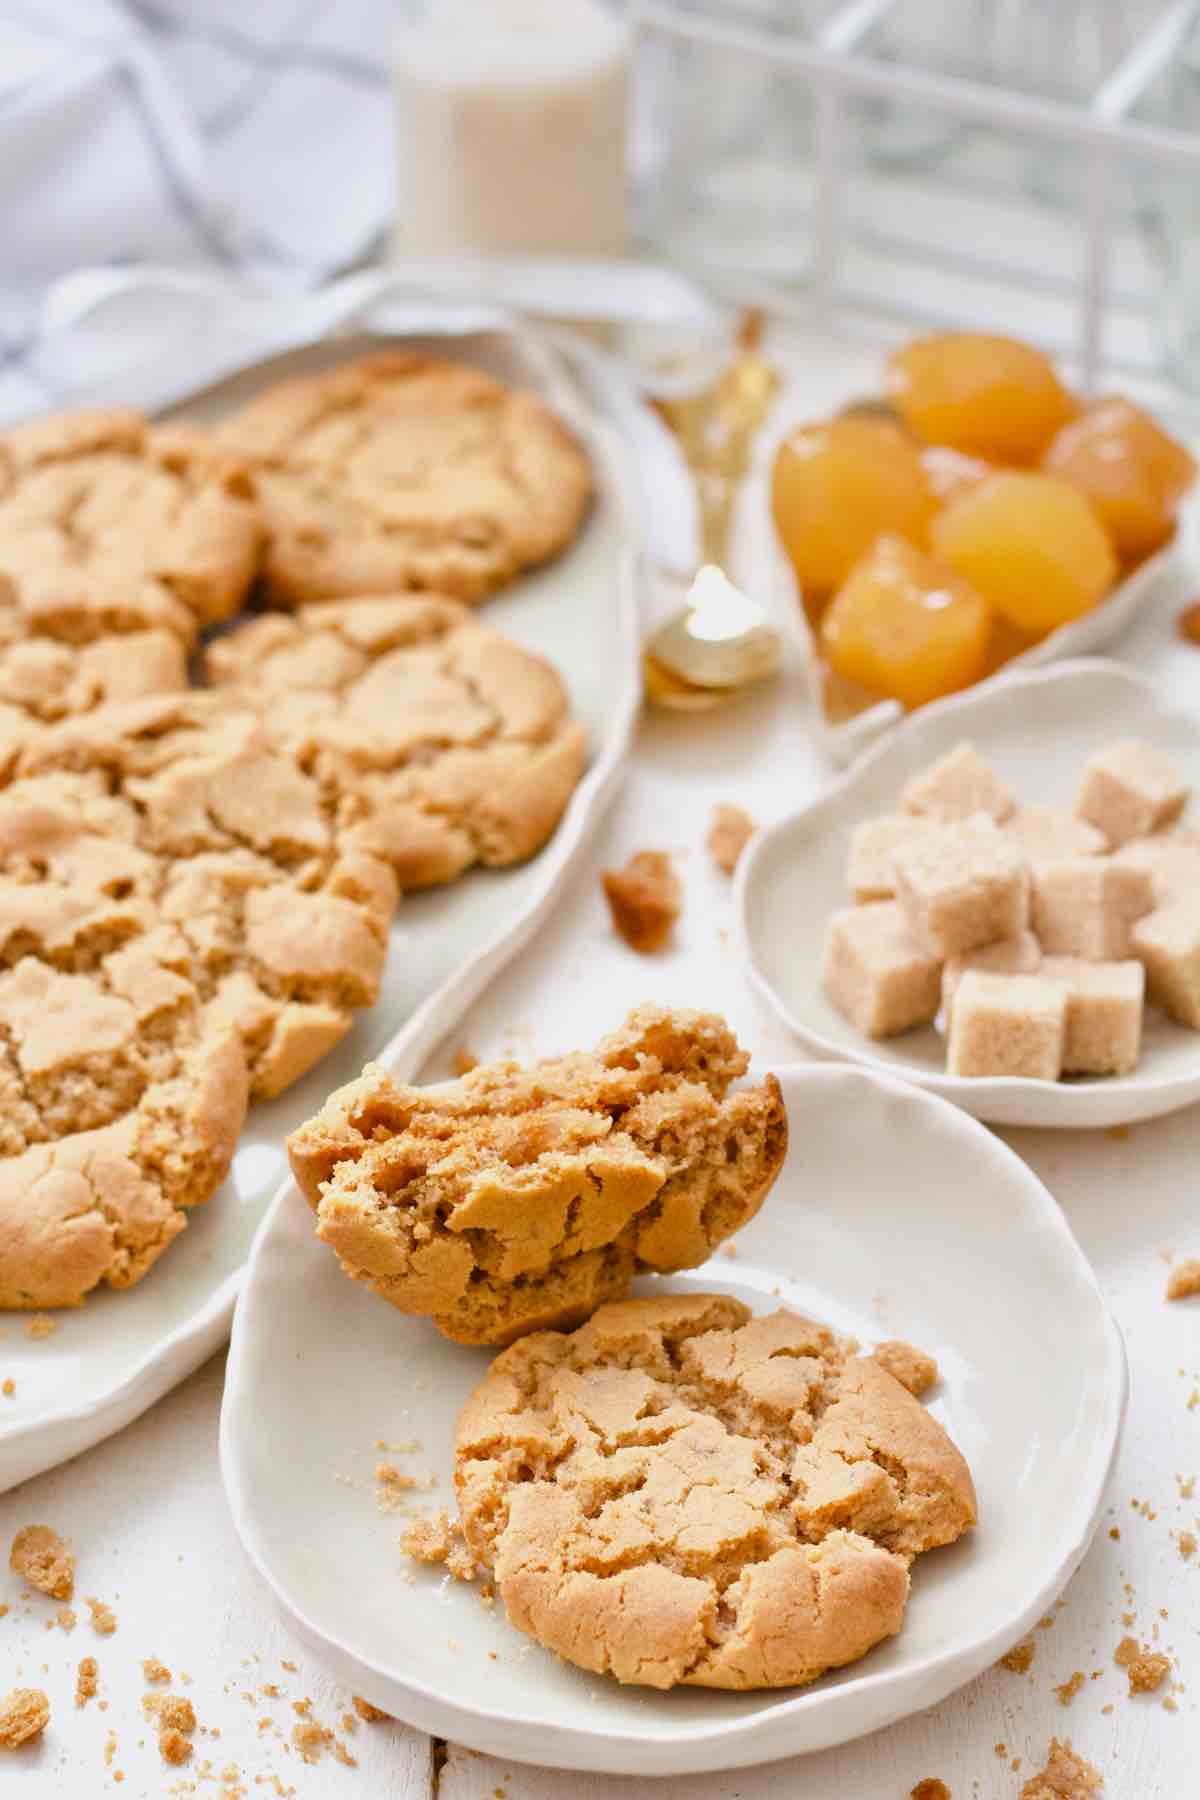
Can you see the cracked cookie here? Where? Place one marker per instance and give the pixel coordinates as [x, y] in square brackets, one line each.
[403, 470]
[167, 842]
[679, 1492]
[515, 1199]
[445, 743]
[118, 540]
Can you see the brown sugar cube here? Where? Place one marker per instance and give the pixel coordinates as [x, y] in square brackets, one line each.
[1130, 790]
[875, 974]
[1086, 905]
[1168, 943]
[1007, 1025]
[962, 887]
[1105, 1002]
[869, 872]
[1172, 863]
[644, 899]
[1047, 833]
[1020, 955]
[957, 785]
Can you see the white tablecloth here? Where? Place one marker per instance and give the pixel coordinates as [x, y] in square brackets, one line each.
[148, 1518]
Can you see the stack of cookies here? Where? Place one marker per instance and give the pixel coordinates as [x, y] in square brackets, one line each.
[196, 882]
[667, 1490]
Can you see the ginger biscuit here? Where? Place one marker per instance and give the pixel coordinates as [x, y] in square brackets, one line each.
[406, 471]
[444, 743]
[679, 1492]
[515, 1199]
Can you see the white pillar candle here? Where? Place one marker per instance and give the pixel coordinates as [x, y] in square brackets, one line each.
[511, 120]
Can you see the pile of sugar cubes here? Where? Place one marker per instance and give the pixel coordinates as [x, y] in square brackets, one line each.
[1030, 934]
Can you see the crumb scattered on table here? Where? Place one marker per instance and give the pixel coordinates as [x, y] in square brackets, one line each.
[1188, 623]
[1067, 1690]
[464, 1060]
[104, 1619]
[729, 833]
[1019, 1659]
[8, 1387]
[41, 1558]
[1145, 1668]
[930, 1789]
[910, 1366]
[154, 1670]
[24, 1715]
[1184, 1279]
[311, 1739]
[87, 1680]
[1066, 1776]
[372, 1714]
[41, 1326]
[645, 899]
[1187, 1544]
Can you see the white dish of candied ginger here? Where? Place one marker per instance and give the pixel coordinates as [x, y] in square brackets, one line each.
[1006, 958]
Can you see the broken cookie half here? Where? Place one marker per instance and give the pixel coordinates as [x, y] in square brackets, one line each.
[518, 1199]
[679, 1492]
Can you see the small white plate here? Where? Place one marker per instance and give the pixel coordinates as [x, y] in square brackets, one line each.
[121, 1351]
[866, 1229]
[1038, 729]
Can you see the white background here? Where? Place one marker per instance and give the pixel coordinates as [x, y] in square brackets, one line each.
[147, 1517]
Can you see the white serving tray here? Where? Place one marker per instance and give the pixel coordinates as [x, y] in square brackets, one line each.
[120, 1352]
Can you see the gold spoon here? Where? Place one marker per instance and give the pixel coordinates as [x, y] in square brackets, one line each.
[719, 641]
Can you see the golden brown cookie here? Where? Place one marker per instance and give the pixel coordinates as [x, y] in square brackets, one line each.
[171, 832]
[404, 471]
[176, 909]
[515, 1199]
[445, 743]
[681, 1493]
[112, 528]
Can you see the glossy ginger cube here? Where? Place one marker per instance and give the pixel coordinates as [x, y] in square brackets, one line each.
[1132, 471]
[1031, 545]
[906, 626]
[987, 396]
[837, 486]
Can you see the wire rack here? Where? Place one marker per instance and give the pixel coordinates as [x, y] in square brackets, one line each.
[1045, 215]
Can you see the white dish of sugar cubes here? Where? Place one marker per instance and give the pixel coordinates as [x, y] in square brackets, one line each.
[1001, 902]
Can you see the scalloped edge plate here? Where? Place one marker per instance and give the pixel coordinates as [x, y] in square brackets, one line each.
[1033, 1390]
[1037, 728]
[119, 1353]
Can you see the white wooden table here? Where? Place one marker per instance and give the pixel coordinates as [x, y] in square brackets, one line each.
[148, 1519]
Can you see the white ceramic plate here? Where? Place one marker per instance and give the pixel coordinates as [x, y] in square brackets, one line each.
[114, 1357]
[1037, 729]
[866, 1229]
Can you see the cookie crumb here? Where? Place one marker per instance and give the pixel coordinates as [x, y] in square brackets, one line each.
[41, 1326]
[910, 1366]
[930, 1789]
[341, 1753]
[464, 1060]
[1184, 1279]
[8, 1387]
[645, 899]
[1188, 623]
[1114, 1532]
[154, 1670]
[24, 1715]
[728, 834]
[311, 1739]
[373, 1715]
[39, 1555]
[1187, 1544]
[104, 1619]
[1067, 1690]
[1019, 1659]
[1145, 1668]
[174, 1747]
[66, 1619]
[1065, 1776]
